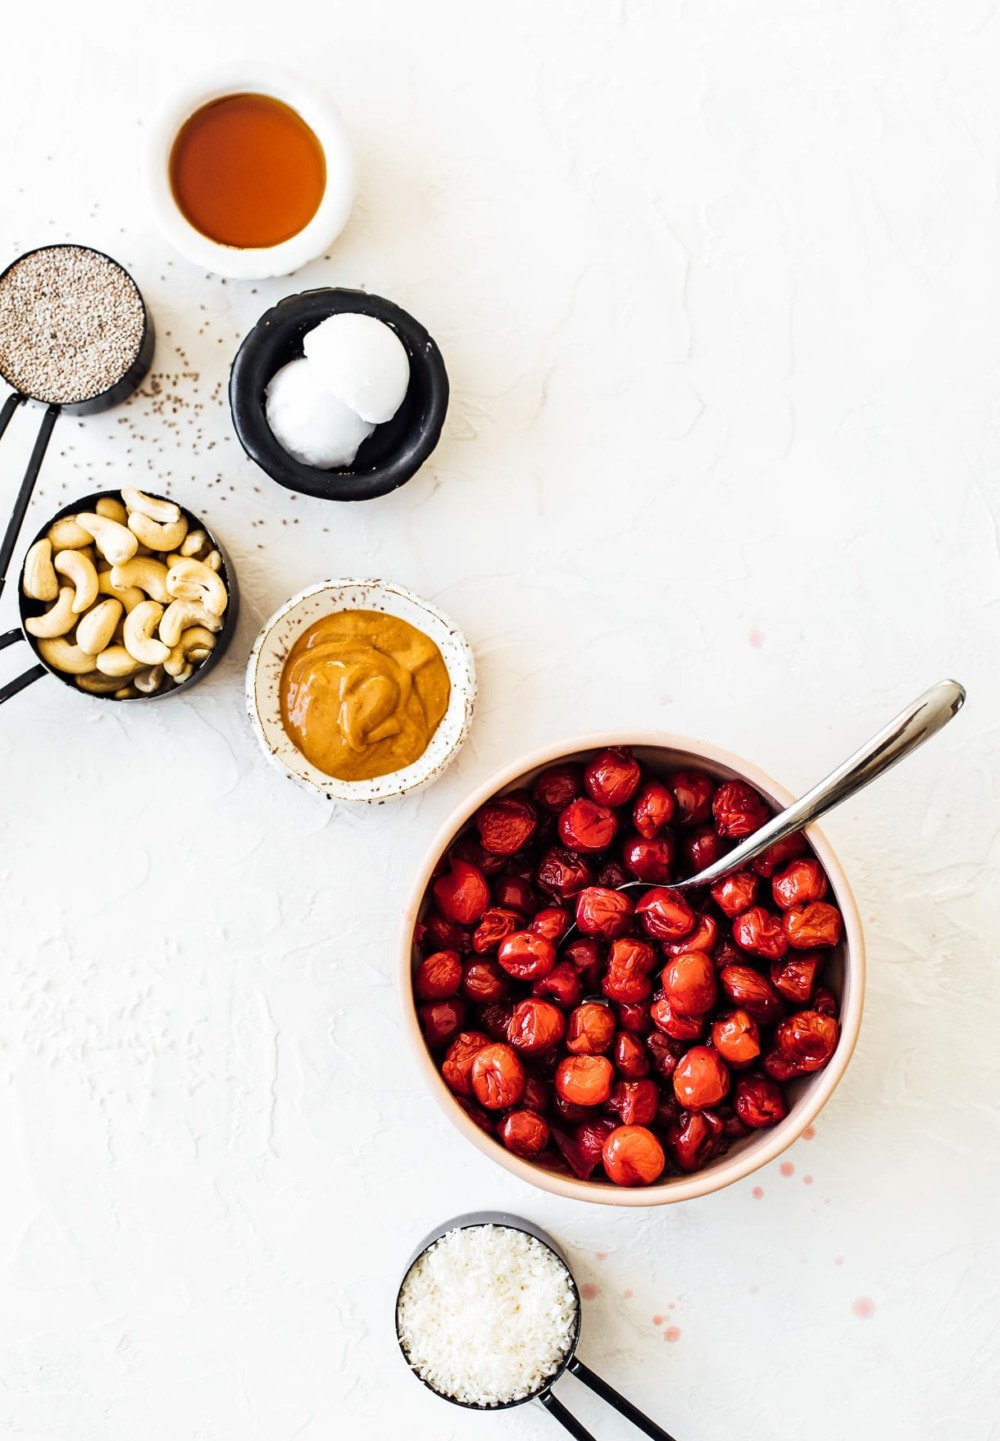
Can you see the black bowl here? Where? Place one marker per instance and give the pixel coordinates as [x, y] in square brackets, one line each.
[28, 607]
[393, 452]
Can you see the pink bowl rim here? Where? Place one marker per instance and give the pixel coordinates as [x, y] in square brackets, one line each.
[764, 1148]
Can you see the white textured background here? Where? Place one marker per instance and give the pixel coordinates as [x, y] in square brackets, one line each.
[718, 285]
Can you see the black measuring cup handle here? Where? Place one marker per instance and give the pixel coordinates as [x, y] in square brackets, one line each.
[20, 682]
[566, 1418]
[620, 1403]
[23, 496]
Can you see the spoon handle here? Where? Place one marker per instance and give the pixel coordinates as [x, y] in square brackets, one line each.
[917, 723]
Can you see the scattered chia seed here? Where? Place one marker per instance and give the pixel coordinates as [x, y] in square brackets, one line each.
[71, 324]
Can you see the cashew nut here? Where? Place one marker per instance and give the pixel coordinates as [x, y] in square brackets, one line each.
[130, 596]
[198, 643]
[157, 537]
[115, 542]
[164, 511]
[148, 681]
[96, 629]
[182, 614]
[213, 560]
[112, 509]
[195, 644]
[57, 620]
[145, 573]
[76, 567]
[116, 662]
[191, 580]
[184, 674]
[62, 655]
[40, 580]
[97, 684]
[66, 534]
[139, 635]
[194, 542]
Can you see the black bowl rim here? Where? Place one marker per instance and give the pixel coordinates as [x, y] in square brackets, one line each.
[223, 639]
[254, 366]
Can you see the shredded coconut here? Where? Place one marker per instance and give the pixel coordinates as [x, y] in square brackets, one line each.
[487, 1315]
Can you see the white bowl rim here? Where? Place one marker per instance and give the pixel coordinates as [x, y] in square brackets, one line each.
[767, 1144]
[319, 113]
[412, 777]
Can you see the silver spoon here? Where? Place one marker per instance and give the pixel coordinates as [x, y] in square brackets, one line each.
[917, 723]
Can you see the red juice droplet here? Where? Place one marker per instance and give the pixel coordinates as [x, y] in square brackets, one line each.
[786, 1168]
[589, 1291]
[863, 1307]
[672, 1333]
[808, 1133]
[601, 1255]
[807, 1180]
[757, 1192]
[658, 1320]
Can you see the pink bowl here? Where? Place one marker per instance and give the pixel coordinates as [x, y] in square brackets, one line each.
[845, 974]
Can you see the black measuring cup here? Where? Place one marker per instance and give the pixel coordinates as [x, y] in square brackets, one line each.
[571, 1362]
[120, 389]
[28, 607]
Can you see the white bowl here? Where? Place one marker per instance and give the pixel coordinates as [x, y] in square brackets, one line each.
[279, 634]
[253, 263]
[845, 973]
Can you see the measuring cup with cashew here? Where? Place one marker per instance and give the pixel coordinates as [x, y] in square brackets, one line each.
[125, 596]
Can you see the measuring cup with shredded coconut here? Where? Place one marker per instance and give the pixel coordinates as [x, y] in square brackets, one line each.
[488, 1316]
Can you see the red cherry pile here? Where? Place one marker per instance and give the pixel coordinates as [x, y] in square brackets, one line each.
[670, 1024]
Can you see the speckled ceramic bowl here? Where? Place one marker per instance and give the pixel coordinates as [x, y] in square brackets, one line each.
[844, 972]
[280, 633]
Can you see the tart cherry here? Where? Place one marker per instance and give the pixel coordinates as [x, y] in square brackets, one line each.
[758, 1101]
[584, 1080]
[612, 776]
[558, 785]
[738, 810]
[506, 824]
[652, 809]
[818, 924]
[635, 1102]
[692, 792]
[440, 1020]
[735, 893]
[462, 894]
[563, 984]
[633, 1156]
[536, 1026]
[760, 933]
[525, 1133]
[630, 1056]
[807, 1039]
[736, 1037]
[526, 956]
[457, 1064]
[563, 873]
[497, 1077]
[799, 883]
[438, 976]
[586, 826]
[484, 982]
[590, 1029]
[650, 860]
[701, 1079]
[603, 912]
[689, 983]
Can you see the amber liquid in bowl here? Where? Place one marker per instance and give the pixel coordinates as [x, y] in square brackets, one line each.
[247, 171]
[362, 694]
